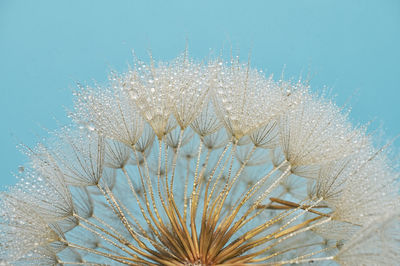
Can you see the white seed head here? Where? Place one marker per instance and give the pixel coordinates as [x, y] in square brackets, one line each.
[186, 163]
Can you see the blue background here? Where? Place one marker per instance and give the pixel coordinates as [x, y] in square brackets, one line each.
[46, 47]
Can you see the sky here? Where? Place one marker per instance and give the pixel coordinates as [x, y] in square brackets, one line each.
[47, 47]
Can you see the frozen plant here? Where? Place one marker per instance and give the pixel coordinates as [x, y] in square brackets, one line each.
[187, 163]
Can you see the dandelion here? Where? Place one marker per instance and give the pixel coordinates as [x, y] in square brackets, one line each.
[187, 163]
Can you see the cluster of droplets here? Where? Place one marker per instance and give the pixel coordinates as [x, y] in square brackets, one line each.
[199, 164]
[237, 87]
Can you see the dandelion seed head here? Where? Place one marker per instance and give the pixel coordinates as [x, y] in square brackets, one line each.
[202, 163]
